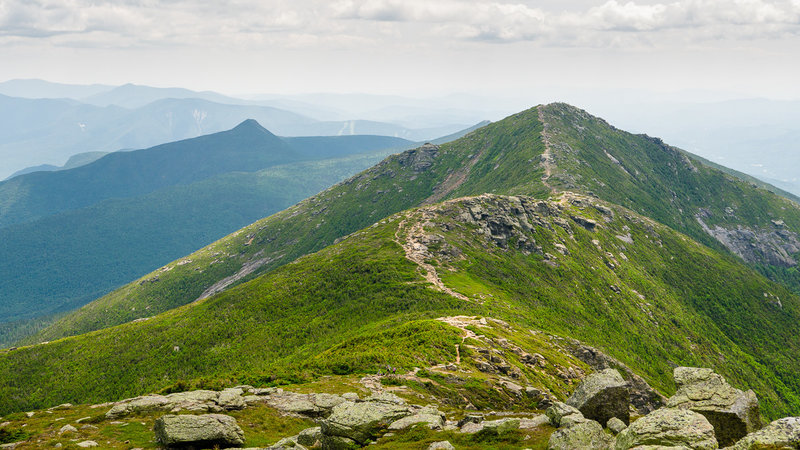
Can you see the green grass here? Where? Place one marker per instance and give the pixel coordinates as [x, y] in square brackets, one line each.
[356, 306]
[664, 183]
[117, 240]
[502, 157]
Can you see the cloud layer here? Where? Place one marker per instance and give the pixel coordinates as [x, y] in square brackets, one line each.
[134, 23]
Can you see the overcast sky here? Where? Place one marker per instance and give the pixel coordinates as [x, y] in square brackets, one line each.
[408, 47]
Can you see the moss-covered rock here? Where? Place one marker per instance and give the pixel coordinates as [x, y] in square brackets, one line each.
[669, 427]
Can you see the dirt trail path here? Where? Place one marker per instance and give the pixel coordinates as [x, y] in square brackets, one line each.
[547, 156]
[417, 252]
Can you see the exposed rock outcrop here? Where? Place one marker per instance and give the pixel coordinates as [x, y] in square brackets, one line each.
[207, 430]
[601, 396]
[200, 401]
[780, 434]
[429, 416]
[588, 435]
[311, 405]
[362, 422]
[559, 411]
[731, 412]
[310, 437]
[616, 425]
[419, 159]
[643, 397]
[669, 427]
[775, 247]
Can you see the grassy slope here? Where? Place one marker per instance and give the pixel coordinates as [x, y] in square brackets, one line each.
[118, 240]
[390, 187]
[248, 148]
[661, 182]
[360, 304]
[502, 157]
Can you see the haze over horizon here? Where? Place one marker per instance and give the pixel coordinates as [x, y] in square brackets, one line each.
[521, 49]
[636, 63]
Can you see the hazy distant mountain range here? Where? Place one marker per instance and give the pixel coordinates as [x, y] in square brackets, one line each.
[44, 130]
[68, 236]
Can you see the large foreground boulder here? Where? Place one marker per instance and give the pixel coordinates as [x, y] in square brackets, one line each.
[362, 422]
[203, 431]
[669, 427]
[780, 434]
[732, 413]
[588, 435]
[601, 396]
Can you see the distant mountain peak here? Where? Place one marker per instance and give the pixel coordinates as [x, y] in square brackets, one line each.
[251, 125]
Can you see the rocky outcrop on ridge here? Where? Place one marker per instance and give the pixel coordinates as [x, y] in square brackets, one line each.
[775, 247]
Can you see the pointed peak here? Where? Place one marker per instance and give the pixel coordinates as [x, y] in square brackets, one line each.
[250, 125]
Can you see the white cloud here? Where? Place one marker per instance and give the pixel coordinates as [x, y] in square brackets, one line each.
[311, 22]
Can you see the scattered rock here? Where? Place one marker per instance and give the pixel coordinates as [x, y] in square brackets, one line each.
[67, 429]
[731, 412]
[533, 422]
[441, 445]
[338, 443]
[768, 246]
[588, 435]
[87, 444]
[601, 396]
[310, 437]
[430, 416]
[559, 411]
[470, 418]
[616, 425]
[287, 443]
[502, 425]
[201, 430]
[780, 434]
[514, 388]
[669, 427]
[589, 224]
[350, 396]
[471, 427]
[312, 405]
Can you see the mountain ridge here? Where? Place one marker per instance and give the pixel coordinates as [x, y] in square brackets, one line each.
[573, 266]
[503, 157]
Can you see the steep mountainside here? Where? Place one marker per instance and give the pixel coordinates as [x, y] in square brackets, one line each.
[575, 266]
[117, 240]
[536, 153]
[657, 180]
